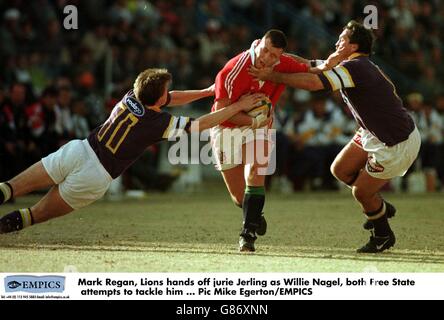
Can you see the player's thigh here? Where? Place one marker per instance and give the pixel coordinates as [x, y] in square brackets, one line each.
[86, 185]
[80, 176]
[349, 161]
[67, 159]
[235, 182]
[226, 145]
[50, 206]
[256, 156]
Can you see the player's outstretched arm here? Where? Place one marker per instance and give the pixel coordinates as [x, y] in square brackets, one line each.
[319, 66]
[307, 81]
[332, 61]
[245, 103]
[242, 119]
[314, 66]
[179, 98]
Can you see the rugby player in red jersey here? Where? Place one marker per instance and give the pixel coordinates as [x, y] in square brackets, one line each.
[245, 181]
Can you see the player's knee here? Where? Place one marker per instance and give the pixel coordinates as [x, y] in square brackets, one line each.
[336, 171]
[256, 175]
[339, 172]
[360, 194]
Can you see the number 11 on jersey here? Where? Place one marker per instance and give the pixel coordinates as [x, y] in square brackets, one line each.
[119, 125]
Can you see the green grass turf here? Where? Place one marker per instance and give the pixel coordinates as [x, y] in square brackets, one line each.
[308, 232]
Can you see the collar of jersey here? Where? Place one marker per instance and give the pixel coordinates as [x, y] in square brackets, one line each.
[356, 55]
[154, 108]
[131, 95]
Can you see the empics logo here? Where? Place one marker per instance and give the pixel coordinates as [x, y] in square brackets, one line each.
[34, 284]
[14, 284]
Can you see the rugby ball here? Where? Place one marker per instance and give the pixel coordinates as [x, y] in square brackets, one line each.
[263, 107]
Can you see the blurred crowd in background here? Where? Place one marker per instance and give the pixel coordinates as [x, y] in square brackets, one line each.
[58, 84]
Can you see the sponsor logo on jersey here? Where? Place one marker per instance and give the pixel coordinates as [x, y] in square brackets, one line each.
[135, 107]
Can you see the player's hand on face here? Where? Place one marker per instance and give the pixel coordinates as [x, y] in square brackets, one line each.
[341, 52]
[249, 101]
[334, 59]
[260, 74]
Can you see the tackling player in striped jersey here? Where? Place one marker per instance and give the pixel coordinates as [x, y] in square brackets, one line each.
[81, 171]
[387, 142]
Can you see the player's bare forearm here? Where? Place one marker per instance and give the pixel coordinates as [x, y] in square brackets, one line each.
[312, 68]
[187, 96]
[307, 81]
[212, 119]
[239, 119]
[332, 61]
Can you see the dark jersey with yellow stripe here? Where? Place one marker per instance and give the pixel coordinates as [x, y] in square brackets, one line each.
[129, 131]
[371, 96]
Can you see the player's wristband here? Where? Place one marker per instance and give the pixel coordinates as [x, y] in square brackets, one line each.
[315, 63]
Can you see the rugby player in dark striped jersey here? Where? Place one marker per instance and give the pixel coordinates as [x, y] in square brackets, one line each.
[387, 142]
[81, 171]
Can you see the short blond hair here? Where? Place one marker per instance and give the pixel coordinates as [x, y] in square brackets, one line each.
[150, 85]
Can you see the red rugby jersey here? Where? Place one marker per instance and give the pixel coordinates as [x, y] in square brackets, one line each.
[233, 80]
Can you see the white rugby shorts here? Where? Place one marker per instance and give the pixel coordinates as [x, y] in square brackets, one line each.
[386, 162]
[226, 144]
[78, 172]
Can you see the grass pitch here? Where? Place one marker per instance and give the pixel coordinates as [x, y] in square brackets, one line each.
[308, 232]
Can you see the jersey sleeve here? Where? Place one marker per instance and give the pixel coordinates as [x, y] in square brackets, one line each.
[316, 62]
[219, 87]
[345, 75]
[290, 65]
[233, 80]
[174, 127]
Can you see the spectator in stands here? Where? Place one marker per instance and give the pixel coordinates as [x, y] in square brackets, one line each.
[431, 128]
[13, 131]
[320, 134]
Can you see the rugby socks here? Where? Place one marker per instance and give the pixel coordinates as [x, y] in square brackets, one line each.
[5, 192]
[16, 220]
[380, 222]
[254, 200]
